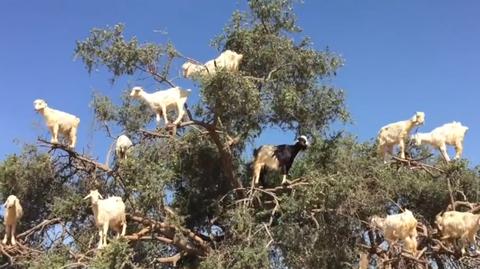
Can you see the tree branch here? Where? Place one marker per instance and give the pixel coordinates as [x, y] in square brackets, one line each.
[39, 227]
[173, 259]
[200, 248]
[77, 156]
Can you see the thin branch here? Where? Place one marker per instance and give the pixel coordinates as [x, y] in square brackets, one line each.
[77, 156]
[173, 259]
[39, 227]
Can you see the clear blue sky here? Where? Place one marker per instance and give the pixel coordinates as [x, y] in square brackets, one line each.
[401, 57]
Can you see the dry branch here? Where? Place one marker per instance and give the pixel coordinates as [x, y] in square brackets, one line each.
[77, 156]
[173, 259]
[195, 245]
[417, 164]
[39, 227]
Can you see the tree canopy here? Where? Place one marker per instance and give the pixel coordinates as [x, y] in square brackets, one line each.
[189, 195]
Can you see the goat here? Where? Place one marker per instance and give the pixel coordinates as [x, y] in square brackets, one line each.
[58, 121]
[448, 134]
[396, 133]
[458, 225]
[163, 101]
[402, 226]
[228, 59]
[277, 158]
[108, 212]
[13, 213]
[122, 146]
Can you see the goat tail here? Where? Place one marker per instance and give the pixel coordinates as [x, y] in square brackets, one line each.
[185, 92]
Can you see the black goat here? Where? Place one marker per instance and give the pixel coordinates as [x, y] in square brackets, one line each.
[278, 158]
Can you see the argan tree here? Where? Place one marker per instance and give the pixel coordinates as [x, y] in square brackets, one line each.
[188, 189]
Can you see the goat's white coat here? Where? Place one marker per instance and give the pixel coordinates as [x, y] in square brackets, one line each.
[228, 59]
[108, 212]
[13, 212]
[448, 134]
[58, 121]
[402, 226]
[122, 146]
[161, 102]
[396, 133]
[458, 225]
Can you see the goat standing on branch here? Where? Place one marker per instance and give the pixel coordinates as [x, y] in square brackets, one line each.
[108, 212]
[278, 158]
[58, 121]
[396, 133]
[13, 212]
[448, 134]
[122, 147]
[459, 225]
[162, 102]
[401, 226]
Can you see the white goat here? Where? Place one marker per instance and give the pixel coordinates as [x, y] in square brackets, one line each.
[277, 158]
[396, 133]
[163, 101]
[13, 212]
[58, 121]
[228, 59]
[401, 226]
[108, 212]
[447, 134]
[122, 146]
[458, 225]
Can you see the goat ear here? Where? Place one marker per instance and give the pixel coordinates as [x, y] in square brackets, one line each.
[99, 195]
[5, 204]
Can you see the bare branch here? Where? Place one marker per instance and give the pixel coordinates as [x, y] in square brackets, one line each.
[78, 156]
[39, 227]
[173, 259]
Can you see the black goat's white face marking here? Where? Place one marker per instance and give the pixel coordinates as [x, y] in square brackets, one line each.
[303, 140]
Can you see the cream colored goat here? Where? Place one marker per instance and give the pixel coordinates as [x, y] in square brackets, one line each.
[122, 147]
[108, 212]
[401, 226]
[396, 133]
[458, 225]
[13, 212]
[228, 59]
[448, 134]
[162, 102]
[58, 122]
